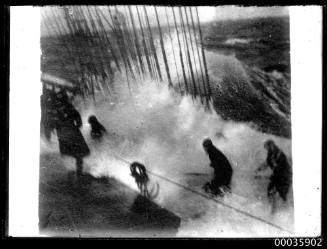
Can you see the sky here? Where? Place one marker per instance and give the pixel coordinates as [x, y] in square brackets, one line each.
[237, 12]
[206, 14]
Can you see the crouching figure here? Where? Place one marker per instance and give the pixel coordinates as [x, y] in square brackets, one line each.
[97, 129]
[223, 170]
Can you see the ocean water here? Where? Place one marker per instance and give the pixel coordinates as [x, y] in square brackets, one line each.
[261, 42]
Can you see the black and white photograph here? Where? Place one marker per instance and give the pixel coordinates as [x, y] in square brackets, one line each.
[157, 121]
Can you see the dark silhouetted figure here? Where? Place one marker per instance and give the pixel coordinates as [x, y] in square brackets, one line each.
[222, 170]
[68, 124]
[281, 178]
[97, 129]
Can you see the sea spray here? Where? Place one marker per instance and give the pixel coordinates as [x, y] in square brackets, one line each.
[164, 131]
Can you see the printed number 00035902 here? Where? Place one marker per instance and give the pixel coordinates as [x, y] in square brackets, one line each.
[298, 242]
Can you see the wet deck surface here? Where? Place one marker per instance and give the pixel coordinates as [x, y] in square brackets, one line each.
[96, 207]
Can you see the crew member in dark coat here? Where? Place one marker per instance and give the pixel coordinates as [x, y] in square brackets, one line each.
[69, 122]
[97, 129]
[222, 169]
[281, 178]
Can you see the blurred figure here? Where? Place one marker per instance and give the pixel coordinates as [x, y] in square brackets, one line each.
[281, 178]
[97, 129]
[68, 124]
[48, 118]
[222, 169]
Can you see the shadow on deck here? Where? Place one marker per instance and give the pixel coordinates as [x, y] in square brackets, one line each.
[96, 207]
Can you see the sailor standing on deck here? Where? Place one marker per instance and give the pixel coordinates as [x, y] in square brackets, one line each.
[281, 178]
[68, 124]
